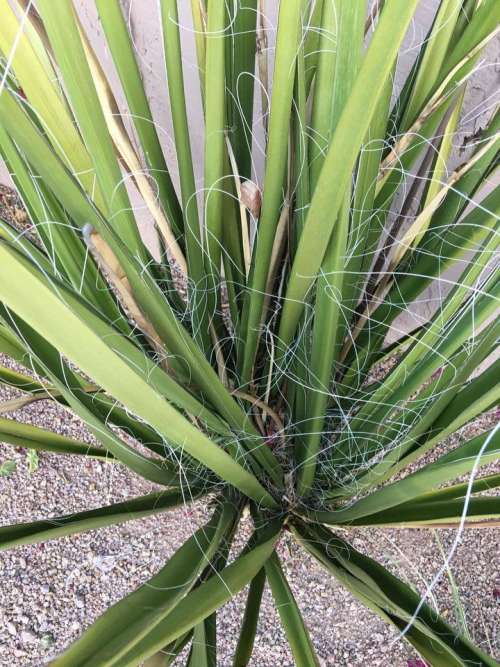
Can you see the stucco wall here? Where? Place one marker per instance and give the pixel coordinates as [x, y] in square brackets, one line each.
[144, 20]
[143, 15]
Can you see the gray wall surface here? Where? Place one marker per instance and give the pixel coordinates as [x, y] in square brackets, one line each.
[144, 20]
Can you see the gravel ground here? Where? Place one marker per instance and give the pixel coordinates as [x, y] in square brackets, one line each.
[51, 592]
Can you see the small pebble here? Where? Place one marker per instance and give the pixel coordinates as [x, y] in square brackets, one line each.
[27, 637]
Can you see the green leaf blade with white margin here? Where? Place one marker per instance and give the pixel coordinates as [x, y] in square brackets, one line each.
[37, 304]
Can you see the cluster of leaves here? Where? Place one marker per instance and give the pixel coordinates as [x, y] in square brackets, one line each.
[9, 466]
[245, 350]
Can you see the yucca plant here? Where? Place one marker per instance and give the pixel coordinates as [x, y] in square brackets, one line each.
[241, 356]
